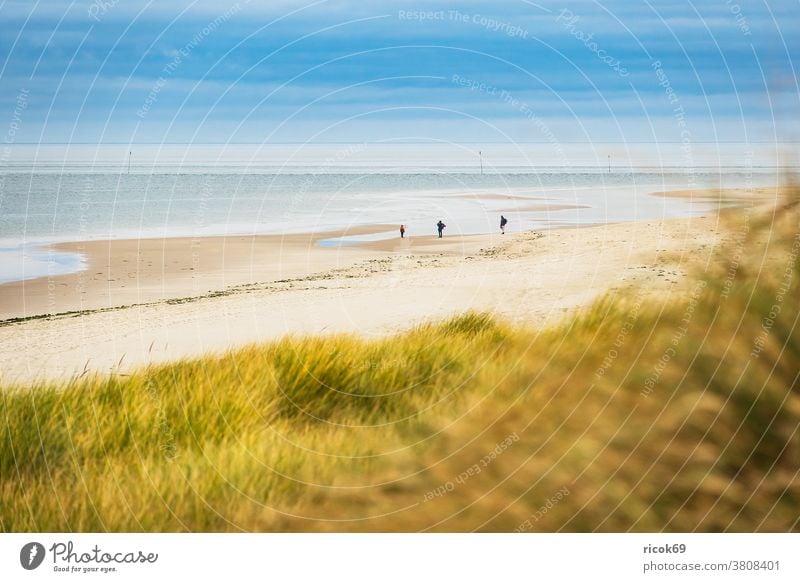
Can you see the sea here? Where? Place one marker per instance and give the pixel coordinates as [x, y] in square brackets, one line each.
[69, 192]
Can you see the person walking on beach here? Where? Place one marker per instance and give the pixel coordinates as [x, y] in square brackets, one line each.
[440, 227]
[402, 231]
[503, 223]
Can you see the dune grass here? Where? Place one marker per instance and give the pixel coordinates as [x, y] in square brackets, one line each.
[634, 415]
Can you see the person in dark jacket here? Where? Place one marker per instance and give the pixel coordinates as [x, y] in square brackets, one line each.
[440, 226]
[503, 223]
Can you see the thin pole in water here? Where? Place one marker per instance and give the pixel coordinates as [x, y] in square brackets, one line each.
[609, 163]
[129, 161]
[480, 154]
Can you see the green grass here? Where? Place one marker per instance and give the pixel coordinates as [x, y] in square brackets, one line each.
[470, 424]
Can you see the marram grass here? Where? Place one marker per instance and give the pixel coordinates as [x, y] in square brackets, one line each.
[633, 415]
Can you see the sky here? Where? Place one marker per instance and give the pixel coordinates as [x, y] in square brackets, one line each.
[136, 71]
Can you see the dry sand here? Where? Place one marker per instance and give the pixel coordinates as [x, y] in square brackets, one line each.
[146, 305]
[756, 196]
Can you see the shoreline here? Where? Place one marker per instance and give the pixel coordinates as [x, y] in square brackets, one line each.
[119, 272]
[531, 279]
[351, 253]
[148, 306]
[196, 265]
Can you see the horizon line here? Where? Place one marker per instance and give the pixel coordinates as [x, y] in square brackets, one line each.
[782, 142]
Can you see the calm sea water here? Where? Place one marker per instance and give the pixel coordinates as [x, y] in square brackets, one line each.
[59, 192]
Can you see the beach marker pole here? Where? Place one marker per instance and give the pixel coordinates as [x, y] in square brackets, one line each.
[129, 161]
[609, 163]
[480, 153]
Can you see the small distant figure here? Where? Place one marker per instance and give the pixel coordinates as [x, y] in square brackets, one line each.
[503, 223]
[440, 226]
[402, 231]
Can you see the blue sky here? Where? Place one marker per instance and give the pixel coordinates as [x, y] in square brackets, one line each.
[345, 71]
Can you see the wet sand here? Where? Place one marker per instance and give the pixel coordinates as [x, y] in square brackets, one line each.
[129, 272]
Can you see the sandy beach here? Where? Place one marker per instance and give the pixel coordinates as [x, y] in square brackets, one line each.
[154, 300]
[128, 272]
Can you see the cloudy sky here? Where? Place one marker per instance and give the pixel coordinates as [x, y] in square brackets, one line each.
[345, 71]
